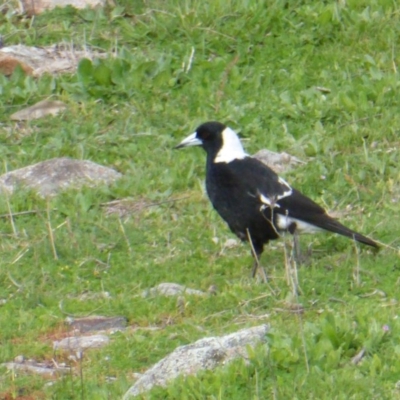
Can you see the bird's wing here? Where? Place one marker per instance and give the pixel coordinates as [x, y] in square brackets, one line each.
[260, 181]
[297, 205]
[273, 191]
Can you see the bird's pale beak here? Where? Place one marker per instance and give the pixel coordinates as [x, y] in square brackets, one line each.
[191, 140]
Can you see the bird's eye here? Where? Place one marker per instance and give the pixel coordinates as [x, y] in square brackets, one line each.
[203, 135]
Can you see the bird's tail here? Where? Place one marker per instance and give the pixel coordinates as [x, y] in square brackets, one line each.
[334, 226]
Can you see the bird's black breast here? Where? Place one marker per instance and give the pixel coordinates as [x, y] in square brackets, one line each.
[234, 194]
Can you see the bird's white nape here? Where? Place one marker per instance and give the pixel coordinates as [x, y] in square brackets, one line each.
[231, 149]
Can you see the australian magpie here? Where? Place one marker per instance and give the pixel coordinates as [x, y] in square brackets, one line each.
[255, 202]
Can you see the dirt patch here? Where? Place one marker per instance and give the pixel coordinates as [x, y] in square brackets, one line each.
[15, 396]
[126, 207]
[55, 59]
[130, 206]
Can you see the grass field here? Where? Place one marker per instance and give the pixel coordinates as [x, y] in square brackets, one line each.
[259, 67]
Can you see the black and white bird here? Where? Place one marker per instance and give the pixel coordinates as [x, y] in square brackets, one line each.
[254, 201]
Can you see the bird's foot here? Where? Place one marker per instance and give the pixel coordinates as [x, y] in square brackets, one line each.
[259, 272]
[299, 257]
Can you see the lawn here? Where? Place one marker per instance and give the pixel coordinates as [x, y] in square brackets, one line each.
[318, 80]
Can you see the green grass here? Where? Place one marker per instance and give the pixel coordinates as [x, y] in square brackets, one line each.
[256, 66]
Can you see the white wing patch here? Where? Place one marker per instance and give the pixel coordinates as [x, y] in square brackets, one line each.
[231, 148]
[284, 221]
[269, 202]
[288, 190]
[273, 202]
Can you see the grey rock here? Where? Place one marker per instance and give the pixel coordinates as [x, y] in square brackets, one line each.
[206, 353]
[79, 343]
[39, 6]
[39, 110]
[279, 162]
[19, 359]
[171, 289]
[51, 176]
[33, 367]
[97, 323]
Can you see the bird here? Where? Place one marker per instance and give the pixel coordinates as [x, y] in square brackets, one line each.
[257, 204]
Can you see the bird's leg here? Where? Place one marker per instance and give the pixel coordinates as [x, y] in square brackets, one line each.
[257, 268]
[256, 264]
[256, 251]
[299, 257]
[296, 254]
[296, 248]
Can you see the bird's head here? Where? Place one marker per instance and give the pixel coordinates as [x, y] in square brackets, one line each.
[221, 143]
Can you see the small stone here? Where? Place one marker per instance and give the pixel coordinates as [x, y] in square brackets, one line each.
[39, 110]
[79, 343]
[213, 290]
[19, 359]
[231, 243]
[279, 162]
[171, 289]
[97, 323]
